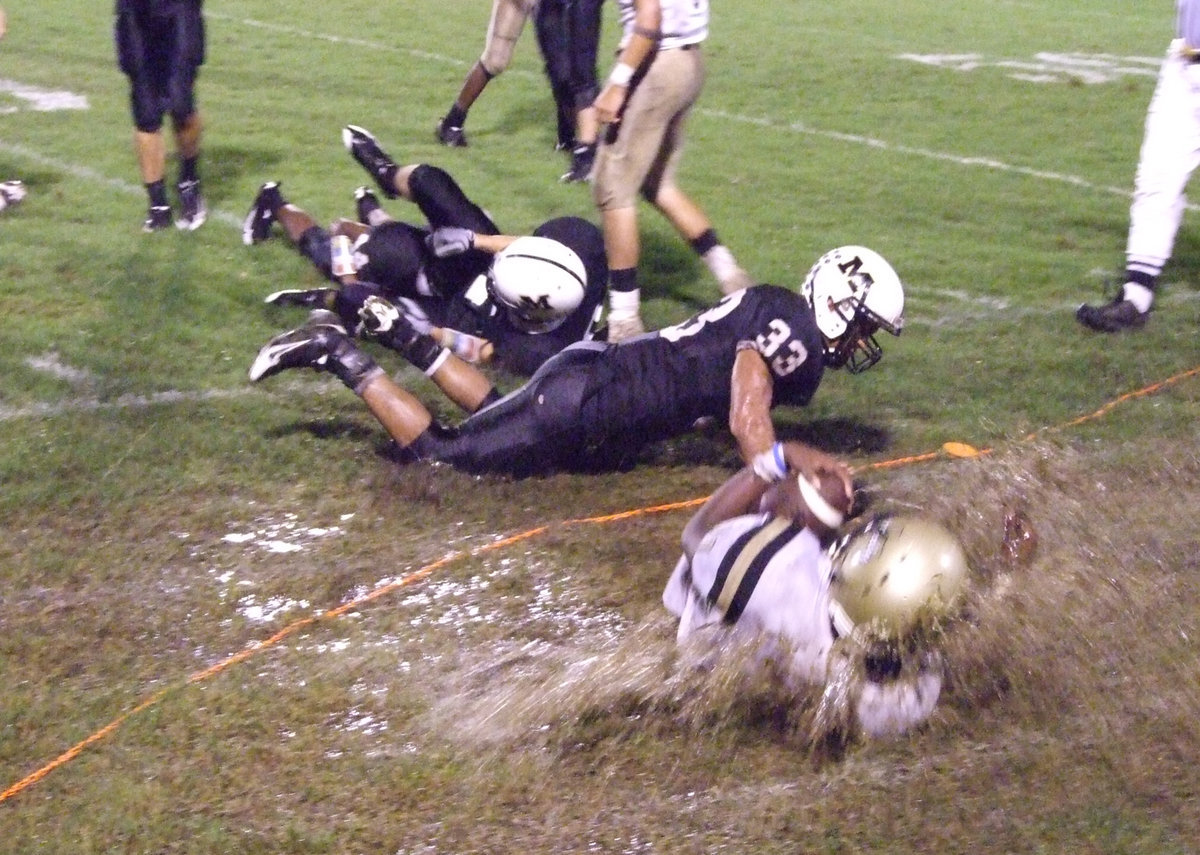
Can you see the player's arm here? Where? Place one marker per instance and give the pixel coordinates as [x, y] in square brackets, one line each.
[454, 240]
[647, 32]
[739, 495]
[751, 387]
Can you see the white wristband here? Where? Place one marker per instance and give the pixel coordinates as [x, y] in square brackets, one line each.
[622, 73]
[770, 465]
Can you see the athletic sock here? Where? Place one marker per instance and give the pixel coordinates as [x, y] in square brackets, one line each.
[188, 169]
[157, 191]
[1141, 296]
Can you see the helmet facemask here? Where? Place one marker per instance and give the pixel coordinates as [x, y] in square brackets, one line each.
[856, 349]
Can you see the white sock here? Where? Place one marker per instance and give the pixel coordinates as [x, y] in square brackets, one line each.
[623, 305]
[721, 262]
[1141, 296]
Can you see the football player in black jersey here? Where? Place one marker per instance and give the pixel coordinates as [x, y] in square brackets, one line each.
[595, 405]
[437, 272]
[160, 47]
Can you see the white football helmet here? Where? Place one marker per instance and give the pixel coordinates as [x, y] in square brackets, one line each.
[538, 281]
[854, 292]
[894, 574]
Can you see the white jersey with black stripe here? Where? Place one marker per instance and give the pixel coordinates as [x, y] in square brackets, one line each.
[783, 575]
[684, 22]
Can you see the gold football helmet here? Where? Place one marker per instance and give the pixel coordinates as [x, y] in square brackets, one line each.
[895, 574]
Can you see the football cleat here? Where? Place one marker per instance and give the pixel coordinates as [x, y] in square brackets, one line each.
[364, 203]
[308, 346]
[256, 227]
[158, 217]
[1115, 316]
[310, 298]
[583, 158]
[364, 148]
[11, 192]
[451, 135]
[192, 209]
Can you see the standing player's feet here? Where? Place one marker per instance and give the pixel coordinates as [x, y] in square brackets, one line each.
[256, 227]
[450, 135]
[364, 148]
[1116, 316]
[158, 217]
[11, 192]
[583, 158]
[192, 209]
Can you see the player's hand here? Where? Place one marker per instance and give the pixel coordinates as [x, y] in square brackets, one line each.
[378, 315]
[608, 104]
[812, 463]
[450, 240]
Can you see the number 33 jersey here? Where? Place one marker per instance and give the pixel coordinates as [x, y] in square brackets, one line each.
[657, 385]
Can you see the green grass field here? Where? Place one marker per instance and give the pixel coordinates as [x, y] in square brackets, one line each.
[228, 624]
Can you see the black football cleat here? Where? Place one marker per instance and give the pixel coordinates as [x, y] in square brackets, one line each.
[365, 149]
[308, 298]
[192, 209]
[583, 158]
[11, 192]
[309, 346]
[364, 203]
[256, 227]
[158, 217]
[450, 135]
[1116, 316]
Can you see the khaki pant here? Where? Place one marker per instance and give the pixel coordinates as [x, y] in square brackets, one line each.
[504, 28]
[642, 157]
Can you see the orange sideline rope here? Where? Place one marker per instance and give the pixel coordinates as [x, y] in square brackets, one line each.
[425, 571]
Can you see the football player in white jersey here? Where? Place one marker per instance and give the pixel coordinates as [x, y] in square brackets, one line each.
[767, 576]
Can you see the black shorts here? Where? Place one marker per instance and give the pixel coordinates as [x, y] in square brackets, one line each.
[160, 48]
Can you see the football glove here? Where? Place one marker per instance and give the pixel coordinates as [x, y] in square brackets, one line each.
[450, 240]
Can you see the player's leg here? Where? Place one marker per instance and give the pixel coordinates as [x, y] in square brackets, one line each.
[661, 189]
[441, 199]
[322, 345]
[623, 163]
[1170, 153]
[186, 57]
[550, 26]
[148, 109]
[504, 29]
[583, 34]
[461, 382]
